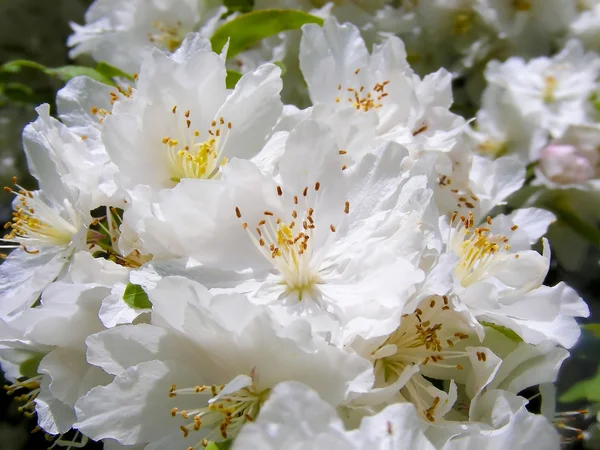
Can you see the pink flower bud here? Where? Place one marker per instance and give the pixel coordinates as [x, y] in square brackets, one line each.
[565, 164]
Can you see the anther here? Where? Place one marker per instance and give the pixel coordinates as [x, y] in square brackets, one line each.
[420, 130]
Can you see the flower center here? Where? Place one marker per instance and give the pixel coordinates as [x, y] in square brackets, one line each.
[32, 386]
[35, 223]
[419, 340]
[170, 36]
[103, 236]
[287, 245]
[224, 412]
[194, 156]
[362, 99]
[493, 148]
[477, 249]
[549, 92]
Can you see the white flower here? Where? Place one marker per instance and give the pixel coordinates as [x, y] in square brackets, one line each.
[488, 183]
[586, 27]
[500, 128]
[159, 136]
[295, 417]
[461, 34]
[86, 269]
[499, 278]
[434, 342]
[456, 36]
[497, 420]
[122, 33]
[318, 240]
[367, 98]
[343, 73]
[210, 363]
[56, 330]
[525, 365]
[79, 159]
[549, 93]
[48, 224]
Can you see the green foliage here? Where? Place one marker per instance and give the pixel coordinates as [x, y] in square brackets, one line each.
[29, 368]
[64, 73]
[595, 101]
[242, 6]
[248, 29]
[593, 329]
[112, 72]
[136, 297]
[507, 332]
[559, 204]
[220, 445]
[282, 66]
[584, 390]
[21, 93]
[232, 78]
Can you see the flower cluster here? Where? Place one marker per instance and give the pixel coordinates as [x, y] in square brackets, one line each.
[203, 264]
[545, 111]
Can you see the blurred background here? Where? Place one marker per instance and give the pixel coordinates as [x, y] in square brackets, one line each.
[37, 30]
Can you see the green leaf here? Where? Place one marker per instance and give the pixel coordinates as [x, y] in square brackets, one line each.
[593, 329]
[17, 92]
[507, 332]
[586, 389]
[16, 66]
[136, 297]
[595, 100]
[220, 445]
[282, 66]
[247, 29]
[530, 172]
[232, 78]
[29, 368]
[64, 73]
[559, 204]
[112, 72]
[242, 6]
